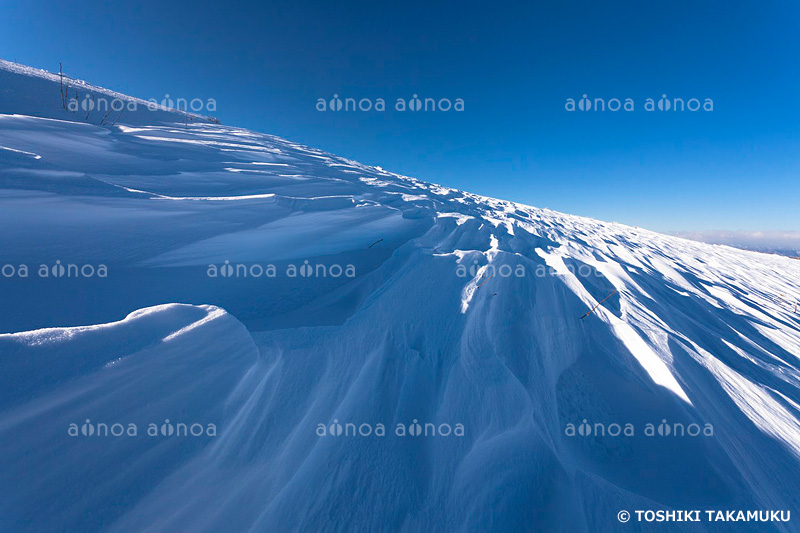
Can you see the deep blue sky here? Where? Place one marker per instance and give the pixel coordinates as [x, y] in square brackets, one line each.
[513, 63]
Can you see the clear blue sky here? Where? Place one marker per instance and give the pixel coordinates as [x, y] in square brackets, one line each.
[513, 63]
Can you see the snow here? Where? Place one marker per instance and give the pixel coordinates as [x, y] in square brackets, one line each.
[694, 333]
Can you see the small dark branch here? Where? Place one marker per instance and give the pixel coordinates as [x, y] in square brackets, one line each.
[90, 105]
[105, 116]
[61, 78]
[484, 282]
[120, 115]
[598, 304]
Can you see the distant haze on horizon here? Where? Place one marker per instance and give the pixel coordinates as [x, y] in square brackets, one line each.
[780, 242]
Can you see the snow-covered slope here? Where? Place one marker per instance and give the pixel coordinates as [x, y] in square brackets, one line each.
[450, 309]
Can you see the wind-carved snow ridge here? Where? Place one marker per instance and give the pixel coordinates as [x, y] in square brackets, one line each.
[35, 156]
[596, 322]
[473, 284]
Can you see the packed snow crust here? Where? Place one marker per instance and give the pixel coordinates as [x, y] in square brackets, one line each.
[691, 333]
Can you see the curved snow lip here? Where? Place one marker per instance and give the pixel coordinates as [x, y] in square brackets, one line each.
[36, 361]
[159, 367]
[56, 335]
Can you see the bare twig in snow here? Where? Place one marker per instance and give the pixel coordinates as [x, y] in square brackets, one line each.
[598, 304]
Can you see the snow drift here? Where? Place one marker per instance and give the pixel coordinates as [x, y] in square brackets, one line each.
[457, 310]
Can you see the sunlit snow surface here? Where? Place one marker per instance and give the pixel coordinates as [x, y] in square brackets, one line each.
[693, 334]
